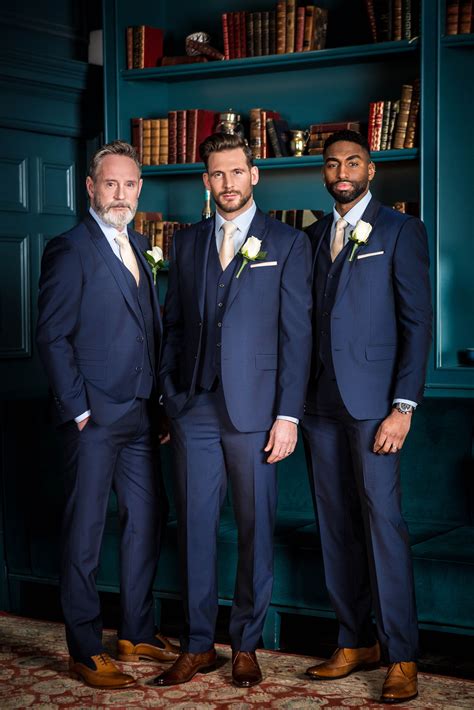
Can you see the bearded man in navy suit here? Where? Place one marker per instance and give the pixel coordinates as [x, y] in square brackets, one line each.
[234, 368]
[372, 332]
[98, 336]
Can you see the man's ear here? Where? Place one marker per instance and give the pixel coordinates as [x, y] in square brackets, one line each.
[254, 175]
[205, 179]
[371, 171]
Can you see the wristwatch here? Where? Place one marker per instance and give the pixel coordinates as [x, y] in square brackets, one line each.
[403, 407]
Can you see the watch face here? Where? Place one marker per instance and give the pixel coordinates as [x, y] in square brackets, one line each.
[404, 407]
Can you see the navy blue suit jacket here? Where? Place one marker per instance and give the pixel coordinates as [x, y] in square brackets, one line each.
[266, 327]
[382, 315]
[89, 332]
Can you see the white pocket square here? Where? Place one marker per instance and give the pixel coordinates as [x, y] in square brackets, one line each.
[372, 253]
[263, 263]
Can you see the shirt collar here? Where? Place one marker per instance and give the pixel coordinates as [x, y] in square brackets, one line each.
[356, 212]
[243, 221]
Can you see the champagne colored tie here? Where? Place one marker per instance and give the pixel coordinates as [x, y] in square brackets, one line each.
[127, 255]
[338, 241]
[227, 250]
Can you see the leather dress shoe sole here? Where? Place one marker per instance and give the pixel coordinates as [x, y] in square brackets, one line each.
[359, 667]
[185, 668]
[157, 682]
[245, 683]
[398, 701]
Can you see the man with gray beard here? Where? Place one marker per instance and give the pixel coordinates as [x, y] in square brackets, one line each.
[98, 336]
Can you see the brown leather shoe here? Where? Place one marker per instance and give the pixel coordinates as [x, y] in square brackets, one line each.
[163, 653]
[185, 668]
[345, 661]
[401, 683]
[106, 674]
[245, 669]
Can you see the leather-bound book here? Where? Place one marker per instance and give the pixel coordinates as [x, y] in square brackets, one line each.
[148, 46]
[164, 141]
[146, 141]
[142, 217]
[200, 124]
[249, 32]
[272, 32]
[129, 47]
[181, 135]
[406, 19]
[320, 27]
[377, 132]
[371, 17]
[265, 33]
[402, 119]
[257, 34]
[394, 111]
[182, 59]
[290, 25]
[465, 14]
[256, 132]
[308, 28]
[413, 116]
[387, 106]
[397, 20]
[243, 34]
[225, 34]
[299, 30]
[155, 141]
[172, 137]
[383, 19]
[281, 27]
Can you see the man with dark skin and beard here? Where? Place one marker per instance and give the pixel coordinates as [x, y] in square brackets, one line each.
[234, 369]
[98, 335]
[371, 337]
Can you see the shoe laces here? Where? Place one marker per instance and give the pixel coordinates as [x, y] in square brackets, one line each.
[103, 658]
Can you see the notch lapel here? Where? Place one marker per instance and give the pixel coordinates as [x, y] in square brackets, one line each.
[146, 269]
[258, 228]
[204, 240]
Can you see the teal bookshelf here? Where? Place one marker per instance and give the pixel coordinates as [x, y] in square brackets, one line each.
[336, 83]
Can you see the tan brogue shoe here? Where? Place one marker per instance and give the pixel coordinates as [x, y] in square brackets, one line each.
[401, 683]
[245, 669]
[163, 652]
[345, 661]
[185, 668]
[106, 674]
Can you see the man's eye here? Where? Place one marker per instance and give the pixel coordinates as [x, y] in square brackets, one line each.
[354, 164]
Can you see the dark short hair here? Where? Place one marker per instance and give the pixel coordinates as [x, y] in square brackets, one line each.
[224, 141]
[114, 148]
[346, 135]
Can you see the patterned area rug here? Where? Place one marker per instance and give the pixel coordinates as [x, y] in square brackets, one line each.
[33, 674]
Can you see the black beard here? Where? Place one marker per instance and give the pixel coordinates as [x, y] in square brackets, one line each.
[239, 206]
[347, 196]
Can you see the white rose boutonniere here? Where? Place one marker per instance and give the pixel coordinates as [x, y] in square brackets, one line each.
[154, 257]
[359, 236]
[251, 252]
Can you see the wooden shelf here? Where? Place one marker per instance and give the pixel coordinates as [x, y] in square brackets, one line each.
[305, 161]
[272, 63]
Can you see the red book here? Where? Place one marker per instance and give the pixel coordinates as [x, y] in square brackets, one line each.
[199, 125]
[371, 123]
[172, 137]
[299, 32]
[149, 49]
[243, 34]
[230, 23]
[236, 23]
[225, 34]
[181, 136]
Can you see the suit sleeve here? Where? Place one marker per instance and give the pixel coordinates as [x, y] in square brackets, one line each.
[59, 309]
[414, 311]
[295, 329]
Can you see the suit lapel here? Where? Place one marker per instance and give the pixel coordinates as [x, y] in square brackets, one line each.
[258, 229]
[134, 240]
[370, 216]
[112, 262]
[204, 239]
[326, 228]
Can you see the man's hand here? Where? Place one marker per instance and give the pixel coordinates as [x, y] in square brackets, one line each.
[82, 424]
[392, 433]
[282, 440]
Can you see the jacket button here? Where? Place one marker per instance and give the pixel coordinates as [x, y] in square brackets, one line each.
[200, 324]
[218, 345]
[220, 305]
[140, 338]
[221, 285]
[138, 368]
[219, 325]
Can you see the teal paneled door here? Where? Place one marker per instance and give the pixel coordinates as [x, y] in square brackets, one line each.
[38, 200]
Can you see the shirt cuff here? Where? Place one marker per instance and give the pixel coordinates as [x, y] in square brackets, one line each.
[406, 401]
[288, 419]
[83, 416]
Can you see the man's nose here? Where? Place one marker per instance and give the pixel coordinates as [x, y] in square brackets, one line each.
[119, 192]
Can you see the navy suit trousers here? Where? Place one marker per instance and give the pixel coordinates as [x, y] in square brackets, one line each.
[364, 538]
[122, 457]
[208, 450]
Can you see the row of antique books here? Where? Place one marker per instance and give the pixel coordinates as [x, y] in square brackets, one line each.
[393, 20]
[286, 29]
[159, 231]
[459, 17]
[393, 124]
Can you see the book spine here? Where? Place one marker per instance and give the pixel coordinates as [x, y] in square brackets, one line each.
[172, 137]
[385, 124]
[225, 35]
[320, 27]
[191, 134]
[146, 141]
[236, 23]
[371, 124]
[243, 34]
[290, 26]
[249, 29]
[255, 133]
[371, 15]
[263, 134]
[257, 34]
[230, 27]
[272, 32]
[377, 133]
[402, 119]
[181, 135]
[265, 34]
[281, 27]
[155, 141]
[452, 17]
[129, 47]
[413, 116]
[299, 31]
[394, 111]
[164, 141]
[406, 19]
[397, 20]
[308, 28]
[273, 138]
[465, 13]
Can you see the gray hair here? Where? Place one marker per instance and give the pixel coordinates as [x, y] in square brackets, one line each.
[114, 148]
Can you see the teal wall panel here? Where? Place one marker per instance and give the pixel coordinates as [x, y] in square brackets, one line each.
[15, 315]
